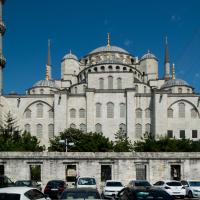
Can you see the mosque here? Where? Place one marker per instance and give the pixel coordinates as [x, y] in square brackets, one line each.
[105, 91]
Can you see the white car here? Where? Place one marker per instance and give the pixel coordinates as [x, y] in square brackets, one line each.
[89, 182]
[192, 188]
[111, 188]
[172, 187]
[21, 193]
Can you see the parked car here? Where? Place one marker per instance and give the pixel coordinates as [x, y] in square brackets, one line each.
[111, 188]
[139, 183]
[141, 193]
[80, 193]
[5, 181]
[89, 182]
[21, 193]
[174, 188]
[54, 188]
[192, 188]
[29, 183]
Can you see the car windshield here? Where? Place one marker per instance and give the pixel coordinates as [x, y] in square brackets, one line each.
[114, 184]
[173, 183]
[86, 181]
[142, 183]
[194, 183]
[23, 183]
[6, 196]
[80, 195]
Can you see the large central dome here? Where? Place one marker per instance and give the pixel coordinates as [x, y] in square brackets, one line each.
[109, 49]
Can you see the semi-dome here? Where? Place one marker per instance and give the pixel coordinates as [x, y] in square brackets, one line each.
[174, 82]
[148, 55]
[109, 49]
[46, 83]
[70, 56]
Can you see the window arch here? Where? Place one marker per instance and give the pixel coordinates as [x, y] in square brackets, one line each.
[110, 82]
[102, 68]
[41, 91]
[98, 110]
[147, 128]
[193, 113]
[51, 113]
[39, 110]
[39, 130]
[110, 110]
[138, 113]
[82, 113]
[179, 90]
[72, 126]
[136, 88]
[101, 83]
[110, 67]
[122, 127]
[28, 113]
[119, 83]
[83, 127]
[170, 113]
[27, 128]
[145, 89]
[122, 110]
[181, 110]
[98, 128]
[138, 130]
[147, 113]
[117, 68]
[73, 113]
[51, 130]
[75, 90]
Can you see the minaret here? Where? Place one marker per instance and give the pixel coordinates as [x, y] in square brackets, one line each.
[173, 72]
[108, 40]
[48, 65]
[166, 63]
[2, 59]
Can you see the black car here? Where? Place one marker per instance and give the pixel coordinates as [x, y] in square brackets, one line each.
[80, 193]
[5, 181]
[143, 194]
[29, 183]
[54, 188]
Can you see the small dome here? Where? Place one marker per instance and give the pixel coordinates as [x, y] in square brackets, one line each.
[46, 83]
[148, 56]
[70, 56]
[109, 49]
[174, 82]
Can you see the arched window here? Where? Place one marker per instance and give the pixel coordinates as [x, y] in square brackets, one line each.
[72, 126]
[122, 127]
[110, 67]
[145, 89]
[83, 127]
[136, 88]
[170, 113]
[138, 130]
[147, 113]
[102, 68]
[110, 82]
[117, 68]
[181, 110]
[39, 130]
[39, 110]
[27, 128]
[51, 114]
[179, 90]
[122, 110]
[188, 90]
[193, 113]
[101, 83]
[41, 91]
[72, 113]
[98, 128]
[98, 110]
[110, 110]
[119, 83]
[138, 113]
[28, 113]
[51, 130]
[147, 128]
[82, 113]
[124, 68]
[75, 90]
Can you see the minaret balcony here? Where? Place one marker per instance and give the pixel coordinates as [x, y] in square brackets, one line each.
[2, 28]
[2, 61]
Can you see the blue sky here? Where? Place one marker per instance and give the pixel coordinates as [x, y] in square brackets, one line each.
[82, 25]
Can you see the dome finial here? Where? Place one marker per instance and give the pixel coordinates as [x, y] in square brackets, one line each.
[173, 72]
[70, 52]
[108, 38]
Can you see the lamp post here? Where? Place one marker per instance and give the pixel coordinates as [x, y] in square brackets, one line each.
[66, 143]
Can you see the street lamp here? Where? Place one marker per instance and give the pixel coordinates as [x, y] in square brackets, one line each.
[66, 143]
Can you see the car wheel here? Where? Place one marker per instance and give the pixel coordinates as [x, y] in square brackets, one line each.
[190, 195]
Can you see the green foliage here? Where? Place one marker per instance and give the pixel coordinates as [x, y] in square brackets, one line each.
[122, 143]
[12, 139]
[83, 142]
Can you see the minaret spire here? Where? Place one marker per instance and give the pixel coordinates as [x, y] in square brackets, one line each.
[48, 65]
[166, 62]
[108, 38]
[2, 59]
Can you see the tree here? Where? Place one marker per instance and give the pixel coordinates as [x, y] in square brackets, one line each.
[83, 142]
[122, 142]
[13, 139]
